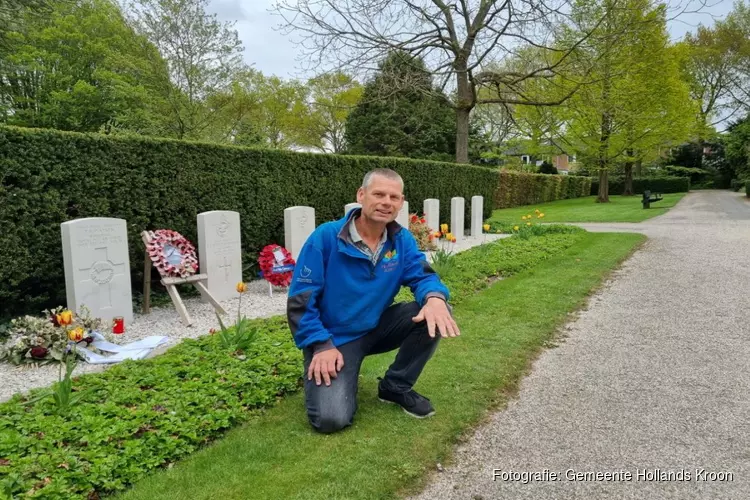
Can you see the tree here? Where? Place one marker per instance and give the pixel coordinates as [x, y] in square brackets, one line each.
[716, 62]
[457, 39]
[204, 58]
[627, 112]
[82, 68]
[394, 120]
[334, 96]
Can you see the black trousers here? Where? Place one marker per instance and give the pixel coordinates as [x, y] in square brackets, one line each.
[331, 408]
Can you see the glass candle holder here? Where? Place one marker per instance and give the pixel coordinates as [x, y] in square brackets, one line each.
[118, 325]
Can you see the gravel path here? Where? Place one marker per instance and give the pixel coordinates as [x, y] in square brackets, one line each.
[655, 374]
[164, 321]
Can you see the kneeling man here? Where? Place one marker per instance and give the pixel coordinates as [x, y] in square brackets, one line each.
[339, 306]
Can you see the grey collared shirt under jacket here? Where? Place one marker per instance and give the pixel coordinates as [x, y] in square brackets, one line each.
[362, 246]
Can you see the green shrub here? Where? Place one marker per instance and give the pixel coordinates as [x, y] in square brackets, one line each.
[641, 184]
[515, 189]
[747, 189]
[142, 415]
[737, 184]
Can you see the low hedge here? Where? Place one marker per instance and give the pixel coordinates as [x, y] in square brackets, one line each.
[641, 184]
[142, 415]
[516, 189]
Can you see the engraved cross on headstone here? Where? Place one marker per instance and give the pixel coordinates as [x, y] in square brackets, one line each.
[227, 266]
[101, 273]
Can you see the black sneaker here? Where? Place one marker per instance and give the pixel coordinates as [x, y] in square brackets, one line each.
[411, 402]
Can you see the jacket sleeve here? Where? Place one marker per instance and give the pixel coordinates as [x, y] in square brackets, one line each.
[419, 275]
[302, 309]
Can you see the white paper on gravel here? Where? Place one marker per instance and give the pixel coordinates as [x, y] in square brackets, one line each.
[135, 350]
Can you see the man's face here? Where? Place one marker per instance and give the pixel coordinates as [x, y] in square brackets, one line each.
[382, 199]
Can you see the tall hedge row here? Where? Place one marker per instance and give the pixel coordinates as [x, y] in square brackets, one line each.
[641, 184]
[49, 177]
[515, 189]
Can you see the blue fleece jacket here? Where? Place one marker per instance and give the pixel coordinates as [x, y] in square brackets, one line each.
[338, 295]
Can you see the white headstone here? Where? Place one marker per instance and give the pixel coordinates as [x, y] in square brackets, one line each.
[350, 206]
[299, 223]
[457, 217]
[477, 207]
[220, 251]
[403, 215]
[97, 267]
[432, 213]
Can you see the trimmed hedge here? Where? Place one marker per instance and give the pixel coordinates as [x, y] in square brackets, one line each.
[641, 184]
[516, 189]
[48, 177]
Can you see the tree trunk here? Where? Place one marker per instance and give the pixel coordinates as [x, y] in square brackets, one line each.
[628, 191]
[639, 168]
[462, 135]
[464, 103]
[603, 195]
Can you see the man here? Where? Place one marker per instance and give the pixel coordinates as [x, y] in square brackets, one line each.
[339, 306]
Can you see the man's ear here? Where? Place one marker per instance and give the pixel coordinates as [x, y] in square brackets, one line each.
[360, 195]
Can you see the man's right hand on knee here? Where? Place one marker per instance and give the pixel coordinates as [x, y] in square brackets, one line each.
[325, 365]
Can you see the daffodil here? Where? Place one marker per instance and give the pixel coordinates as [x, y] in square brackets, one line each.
[515, 228]
[540, 215]
[523, 217]
[528, 223]
[241, 287]
[536, 210]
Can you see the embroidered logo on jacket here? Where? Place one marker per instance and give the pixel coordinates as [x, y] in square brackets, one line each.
[390, 255]
[390, 261]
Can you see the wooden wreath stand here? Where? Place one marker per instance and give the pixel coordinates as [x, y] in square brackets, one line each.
[170, 283]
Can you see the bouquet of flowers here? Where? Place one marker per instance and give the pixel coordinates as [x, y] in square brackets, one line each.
[44, 340]
[423, 235]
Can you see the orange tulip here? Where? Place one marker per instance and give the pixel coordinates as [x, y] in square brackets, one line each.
[453, 239]
[76, 334]
[65, 318]
[241, 287]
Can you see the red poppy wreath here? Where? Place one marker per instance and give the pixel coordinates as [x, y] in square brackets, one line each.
[269, 258]
[172, 254]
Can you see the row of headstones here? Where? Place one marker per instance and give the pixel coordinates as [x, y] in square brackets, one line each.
[299, 222]
[97, 265]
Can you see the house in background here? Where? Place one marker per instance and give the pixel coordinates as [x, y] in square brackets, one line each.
[561, 161]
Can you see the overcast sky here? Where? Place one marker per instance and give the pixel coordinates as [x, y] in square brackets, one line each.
[271, 52]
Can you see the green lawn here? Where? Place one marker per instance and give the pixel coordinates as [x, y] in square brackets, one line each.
[277, 455]
[619, 209]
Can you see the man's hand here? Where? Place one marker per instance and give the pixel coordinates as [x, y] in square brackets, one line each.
[436, 313]
[325, 365]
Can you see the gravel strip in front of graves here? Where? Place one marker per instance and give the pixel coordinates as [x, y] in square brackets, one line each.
[256, 303]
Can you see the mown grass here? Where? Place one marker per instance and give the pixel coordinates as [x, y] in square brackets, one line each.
[385, 453]
[619, 209]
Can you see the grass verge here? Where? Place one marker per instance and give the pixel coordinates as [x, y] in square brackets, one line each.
[619, 209]
[385, 453]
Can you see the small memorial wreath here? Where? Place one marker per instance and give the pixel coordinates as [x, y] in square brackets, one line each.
[277, 265]
[172, 254]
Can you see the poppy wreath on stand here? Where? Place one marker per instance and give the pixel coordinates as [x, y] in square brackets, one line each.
[172, 254]
[270, 258]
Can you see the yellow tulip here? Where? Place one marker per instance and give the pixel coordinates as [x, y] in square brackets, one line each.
[515, 228]
[65, 318]
[444, 228]
[449, 236]
[536, 210]
[486, 227]
[241, 287]
[523, 217]
[76, 334]
[528, 223]
[541, 215]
